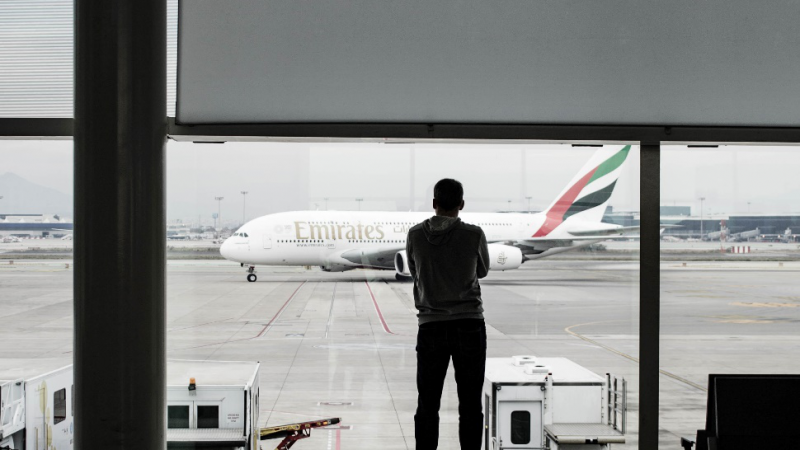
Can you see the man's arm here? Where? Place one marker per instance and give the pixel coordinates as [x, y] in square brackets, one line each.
[412, 266]
[483, 257]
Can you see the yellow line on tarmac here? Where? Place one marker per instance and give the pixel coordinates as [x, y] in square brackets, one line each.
[625, 355]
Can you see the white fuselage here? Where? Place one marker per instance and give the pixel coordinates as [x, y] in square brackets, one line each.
[317, 237]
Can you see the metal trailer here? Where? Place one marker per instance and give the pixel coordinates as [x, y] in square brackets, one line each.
[212, 404]
[37, 414]
[551, 404]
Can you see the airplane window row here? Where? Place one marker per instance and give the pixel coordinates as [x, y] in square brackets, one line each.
[241, 234]
[365, 240]
[300, 240]
[349, 240]
[376, 223]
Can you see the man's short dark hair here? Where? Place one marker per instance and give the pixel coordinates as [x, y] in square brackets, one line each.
[449, 193]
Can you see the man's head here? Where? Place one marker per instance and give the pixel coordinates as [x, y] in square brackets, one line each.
[448, 197]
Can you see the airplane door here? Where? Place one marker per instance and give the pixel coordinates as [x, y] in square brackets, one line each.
[330, 243]
[267, 241]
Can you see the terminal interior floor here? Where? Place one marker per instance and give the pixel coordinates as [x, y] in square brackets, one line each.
[342, 344]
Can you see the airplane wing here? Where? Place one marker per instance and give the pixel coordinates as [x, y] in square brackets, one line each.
[372, 257]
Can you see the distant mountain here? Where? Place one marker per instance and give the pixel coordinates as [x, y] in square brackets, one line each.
[21, 196]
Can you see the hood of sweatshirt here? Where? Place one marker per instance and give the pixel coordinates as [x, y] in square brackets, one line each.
[437, 229]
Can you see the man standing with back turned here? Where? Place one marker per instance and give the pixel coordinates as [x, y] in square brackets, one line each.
[446, 257]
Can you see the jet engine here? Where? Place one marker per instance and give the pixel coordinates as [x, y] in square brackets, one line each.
[504, 257]
[401, 264]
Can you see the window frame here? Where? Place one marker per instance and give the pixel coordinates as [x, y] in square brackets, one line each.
[649, 138]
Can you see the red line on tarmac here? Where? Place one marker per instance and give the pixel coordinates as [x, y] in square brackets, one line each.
[338, 439]
[279, 312]
[378, 310]
[266, 327]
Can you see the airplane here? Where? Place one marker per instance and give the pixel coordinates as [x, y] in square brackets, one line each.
[337, 241]
[786, 237]
[744, 236]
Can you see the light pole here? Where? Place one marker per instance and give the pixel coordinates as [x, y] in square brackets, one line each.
[529, 204]
[359, 200]
[326, 203]
[244, 202]
[219, 215]
[748, 206]
[702, 199]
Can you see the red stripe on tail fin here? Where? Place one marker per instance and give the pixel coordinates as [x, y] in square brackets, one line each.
[555, 215]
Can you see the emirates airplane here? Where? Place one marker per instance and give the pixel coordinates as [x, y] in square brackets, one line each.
[346, 240]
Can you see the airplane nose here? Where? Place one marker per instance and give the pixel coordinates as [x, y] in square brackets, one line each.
[225, 249]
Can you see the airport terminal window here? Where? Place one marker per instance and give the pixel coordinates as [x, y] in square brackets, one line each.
[178, 416]
[332, 319]
[729, 272]
[36, 222]
[59, 406]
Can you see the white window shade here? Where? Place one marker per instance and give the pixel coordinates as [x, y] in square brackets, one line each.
[619, 62]
[37, 57]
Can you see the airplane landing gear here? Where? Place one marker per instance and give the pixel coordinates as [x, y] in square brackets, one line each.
[251, 274]
[399, 277]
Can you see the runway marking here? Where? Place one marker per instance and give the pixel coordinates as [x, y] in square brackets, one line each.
[745, 320]
[378, 310]
[625, 355]
[330, 313]
[199, 325]
[278, 314]
[766, 305]
[263, 330]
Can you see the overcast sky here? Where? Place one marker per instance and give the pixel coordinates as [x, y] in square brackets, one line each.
[281, 176]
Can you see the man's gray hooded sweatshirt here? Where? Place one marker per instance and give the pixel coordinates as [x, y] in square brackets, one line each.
[446, 257]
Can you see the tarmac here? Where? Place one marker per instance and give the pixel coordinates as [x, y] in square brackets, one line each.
[342, 344]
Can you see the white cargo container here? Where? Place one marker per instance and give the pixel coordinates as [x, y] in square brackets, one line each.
[36, 414]
[212, 403]
[551, 403]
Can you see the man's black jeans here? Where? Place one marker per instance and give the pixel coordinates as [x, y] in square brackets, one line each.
[465, 341]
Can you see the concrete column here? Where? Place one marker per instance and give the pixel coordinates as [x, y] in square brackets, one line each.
[649, 294]
[120, 231]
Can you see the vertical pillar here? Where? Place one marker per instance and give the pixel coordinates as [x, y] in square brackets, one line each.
[119, 281]
[649, 294]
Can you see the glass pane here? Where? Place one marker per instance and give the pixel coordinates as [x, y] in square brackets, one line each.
[35, 257]
[59, 406]
[178, 416]
[324, 227]
[520, 427]
[207, 416]
[729, 281]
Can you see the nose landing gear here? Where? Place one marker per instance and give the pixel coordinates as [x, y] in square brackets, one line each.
[251, 275]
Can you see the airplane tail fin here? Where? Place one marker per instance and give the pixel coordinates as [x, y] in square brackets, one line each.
[586, 196]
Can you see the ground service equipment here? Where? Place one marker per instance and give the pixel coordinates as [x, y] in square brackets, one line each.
[293, 432]
[212, 404]
[36, 414]
[535, 403]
